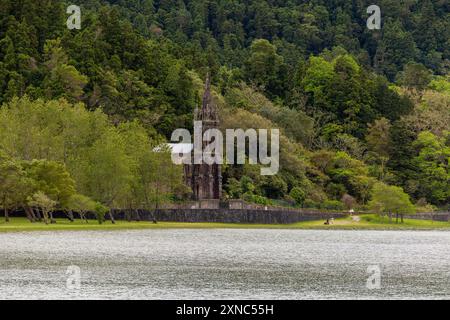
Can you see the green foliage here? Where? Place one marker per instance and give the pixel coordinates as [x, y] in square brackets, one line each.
[14, 184]
[246, 185]
[332, 205]
[378, 138]
[396, 48]
[351, 173]
[41, 201]
[298, 195]
[81, 151]
[81, 204]
[52, 179]
[253, 198]
[100, 212]
[347, 96]
[440, 84]
[390, 199]
[414, 76]
[317, 79]
[431, 113]
[265, 68]
[433, 167]
[233, 188]
[295, 123]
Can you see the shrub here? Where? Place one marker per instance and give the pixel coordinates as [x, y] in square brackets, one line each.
[253, 198]
[298, 195]
[310, 204]
[332, 205]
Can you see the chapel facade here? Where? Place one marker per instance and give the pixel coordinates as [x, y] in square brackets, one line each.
[204, 179]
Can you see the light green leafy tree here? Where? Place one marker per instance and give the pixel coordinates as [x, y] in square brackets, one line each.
[53, 180]
[299, 195]
[390, 200]
[13, 184]
[108, 174]
[433, 164]
[41, 201]
[82, 205]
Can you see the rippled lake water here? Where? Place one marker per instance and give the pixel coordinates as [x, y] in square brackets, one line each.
[225, 264]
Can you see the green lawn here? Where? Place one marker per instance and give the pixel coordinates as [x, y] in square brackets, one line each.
[368, 222]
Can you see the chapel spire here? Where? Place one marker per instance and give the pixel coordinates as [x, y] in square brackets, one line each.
[209, 111]
[205, 179]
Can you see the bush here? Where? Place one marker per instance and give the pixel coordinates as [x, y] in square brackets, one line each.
[100, 212]
[332, 205]
[298, 195]
[310, 204]
[253, 198]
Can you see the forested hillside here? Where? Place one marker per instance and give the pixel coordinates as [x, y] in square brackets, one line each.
[357, 108]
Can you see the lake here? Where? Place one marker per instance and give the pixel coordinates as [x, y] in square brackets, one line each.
[225, 264]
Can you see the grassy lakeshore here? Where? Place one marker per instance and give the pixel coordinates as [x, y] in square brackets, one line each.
[367, 222]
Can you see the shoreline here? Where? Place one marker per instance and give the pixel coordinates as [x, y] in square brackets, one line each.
[365, 223]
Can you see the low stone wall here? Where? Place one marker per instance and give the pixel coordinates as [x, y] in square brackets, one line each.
[201, 204]
[435, 216]
[250, 216]
[226, 216]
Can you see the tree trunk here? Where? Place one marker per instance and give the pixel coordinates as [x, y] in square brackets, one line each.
[31, 213]
[83, 214]
[401, 218]
[6, 214]
[390, 217]
[45, 214]
[27, 213]
[138, 216]
[70, 215]
[128, 216]
[29, 216]
[39, 216]
[52, 220]
[111, 216]
[396, 218]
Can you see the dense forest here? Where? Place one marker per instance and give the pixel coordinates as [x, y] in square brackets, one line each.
[359, 110]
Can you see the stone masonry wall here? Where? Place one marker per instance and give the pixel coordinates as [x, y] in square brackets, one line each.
[226, 216]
